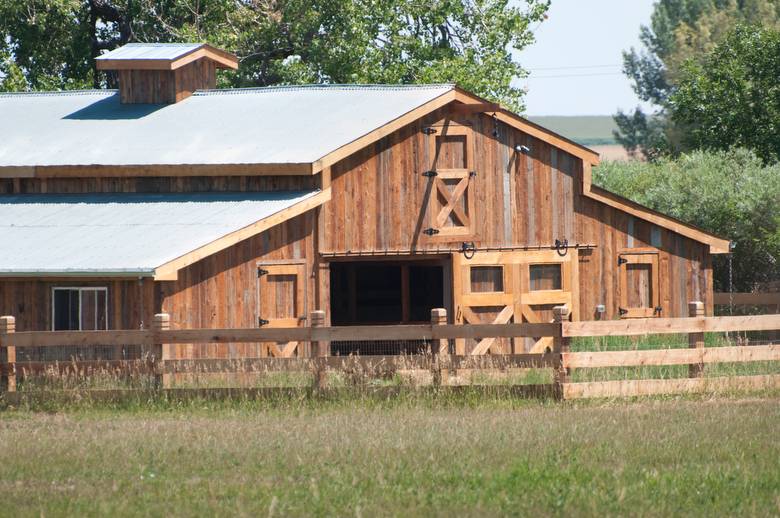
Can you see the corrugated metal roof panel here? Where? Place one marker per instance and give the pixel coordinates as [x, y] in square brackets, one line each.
[122, 233]
[161, 51]
[245, 126]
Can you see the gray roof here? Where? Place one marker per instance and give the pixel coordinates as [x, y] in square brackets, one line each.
[122, 234]
[276, 125]
[161, 51]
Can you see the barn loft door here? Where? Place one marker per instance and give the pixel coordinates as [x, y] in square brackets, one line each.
[504, 287]
[639, 287]
[280, 289]
[451, 177]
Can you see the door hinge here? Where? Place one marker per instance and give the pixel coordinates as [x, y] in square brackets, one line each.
[622, 260]
[430, 231]
[262, 322]
[622, 311]
[428, 130]
[261, 272]
[472, 174]
[657, 310]
[430, 174]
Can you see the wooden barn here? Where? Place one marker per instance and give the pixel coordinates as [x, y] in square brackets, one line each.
[253, 207]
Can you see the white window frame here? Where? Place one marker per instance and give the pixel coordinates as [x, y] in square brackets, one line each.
[80, 289]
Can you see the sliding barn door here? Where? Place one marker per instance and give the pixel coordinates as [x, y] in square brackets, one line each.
[281, 294]
[512, 286]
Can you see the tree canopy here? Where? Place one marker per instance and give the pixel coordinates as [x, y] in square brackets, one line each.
[51, 44]
[679, 31]
[732, 97]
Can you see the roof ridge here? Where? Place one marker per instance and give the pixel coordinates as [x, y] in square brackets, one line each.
[320, 86]
[60, 93]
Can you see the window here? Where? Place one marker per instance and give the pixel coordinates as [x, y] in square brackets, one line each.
[487, 279]
[79, 309]
[545, 277]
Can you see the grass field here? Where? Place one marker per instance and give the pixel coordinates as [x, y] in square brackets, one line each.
[588, 130]
[466, 456]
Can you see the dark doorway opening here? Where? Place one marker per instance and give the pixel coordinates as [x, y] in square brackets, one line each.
[379, 292]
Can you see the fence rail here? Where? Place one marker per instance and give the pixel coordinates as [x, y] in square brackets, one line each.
[161, 344]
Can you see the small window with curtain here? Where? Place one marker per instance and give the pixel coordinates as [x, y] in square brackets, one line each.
[79, 309]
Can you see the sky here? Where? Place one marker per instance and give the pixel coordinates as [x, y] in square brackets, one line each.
[576, 63]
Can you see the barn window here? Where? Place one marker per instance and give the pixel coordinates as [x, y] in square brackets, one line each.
[79, 309]
[487, 279]
[545, 277]
[451, 190]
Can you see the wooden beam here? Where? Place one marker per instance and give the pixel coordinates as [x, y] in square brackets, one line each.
[651, 326]
[126, 171]
[751, 353]
[169, 270]
[629, 388]
[80, 338]
[471, 108]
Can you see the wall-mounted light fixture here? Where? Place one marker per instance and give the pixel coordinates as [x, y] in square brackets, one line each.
[522, 149]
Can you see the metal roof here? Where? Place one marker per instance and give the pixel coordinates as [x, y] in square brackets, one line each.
[275, 125]
[163, 51]
[122, 234]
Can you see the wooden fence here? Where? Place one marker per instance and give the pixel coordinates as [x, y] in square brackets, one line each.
[161, 342]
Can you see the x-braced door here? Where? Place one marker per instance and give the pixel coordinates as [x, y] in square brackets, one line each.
[451, 176]
[281, 302]
[512, 286]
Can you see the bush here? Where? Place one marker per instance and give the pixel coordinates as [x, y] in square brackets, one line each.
[729, 193]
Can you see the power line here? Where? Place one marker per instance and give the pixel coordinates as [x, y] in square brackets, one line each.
[574, 67]
[575, 75]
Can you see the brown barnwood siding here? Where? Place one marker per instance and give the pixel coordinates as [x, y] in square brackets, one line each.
[220, 291]
[379, 202]
[156, 184]
[130, 303]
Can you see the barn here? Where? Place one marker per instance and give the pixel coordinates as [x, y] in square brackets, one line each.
[235, 208]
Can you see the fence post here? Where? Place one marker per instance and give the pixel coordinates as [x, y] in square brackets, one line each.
[319, 349]
[438, 347]
[560, 346]
[7, 327]
[696, 340]
[162, 322]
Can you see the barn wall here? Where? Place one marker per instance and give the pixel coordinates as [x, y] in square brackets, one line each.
[164, 184]
[130, 303]
[220, 291]
[379, 202]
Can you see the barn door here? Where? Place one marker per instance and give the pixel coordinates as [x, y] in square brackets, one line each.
[451, 189]
[512, 286]
[280, 289]
[639, 287]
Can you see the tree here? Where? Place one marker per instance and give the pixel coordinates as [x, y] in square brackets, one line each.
[53, 43]
[732, 97]
[679, 30]
[730, 193]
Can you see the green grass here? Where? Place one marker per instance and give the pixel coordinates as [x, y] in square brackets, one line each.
[457, 456]
[588, 130]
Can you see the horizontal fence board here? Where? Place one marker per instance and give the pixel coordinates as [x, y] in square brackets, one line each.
[584, 360]
[495, 330]
[185, 336]
[629, 388]
[77, 338]
[651, 326]
[502, 361]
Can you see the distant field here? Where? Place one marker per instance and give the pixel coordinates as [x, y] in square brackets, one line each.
[673, 457]
[588, 130]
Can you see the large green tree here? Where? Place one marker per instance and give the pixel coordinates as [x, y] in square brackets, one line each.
[679, 31]
[731, 98]
[51, 44]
